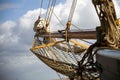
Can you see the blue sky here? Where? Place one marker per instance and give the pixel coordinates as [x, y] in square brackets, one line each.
[13, 9]
[16, 34]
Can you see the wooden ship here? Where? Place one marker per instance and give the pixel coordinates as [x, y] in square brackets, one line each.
[62, 52]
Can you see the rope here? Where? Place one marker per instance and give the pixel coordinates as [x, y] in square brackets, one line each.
[50, 9]
[69, 19]
[86, 41]
[57, 52]
[53, 4]
[107, 16]
[59, 20]
[54, 52]
[65, 55]
[62, 54]
[48, 16]
[59, 76]
[47, 10]
[41, 2]
[76, 27]
[72, 10]
[72, 53]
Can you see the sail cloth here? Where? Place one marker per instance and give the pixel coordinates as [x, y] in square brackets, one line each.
[58, 44]
[75, 48]
[53, 49]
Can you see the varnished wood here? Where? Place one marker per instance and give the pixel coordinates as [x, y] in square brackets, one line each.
[73, 35]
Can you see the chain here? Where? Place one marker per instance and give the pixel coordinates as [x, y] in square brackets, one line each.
[89, 69]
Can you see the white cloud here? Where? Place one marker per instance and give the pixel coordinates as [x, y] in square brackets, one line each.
[17, 36]
[84, 16]
[7, 26]
[7, 37]
[27, 20]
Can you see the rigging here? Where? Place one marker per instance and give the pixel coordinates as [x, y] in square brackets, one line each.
[49, 11]
[62, 54]
[41, 3]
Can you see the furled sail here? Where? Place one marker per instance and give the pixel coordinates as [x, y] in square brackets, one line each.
[63, 53]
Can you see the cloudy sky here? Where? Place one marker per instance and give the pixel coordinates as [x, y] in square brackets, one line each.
[16, 35]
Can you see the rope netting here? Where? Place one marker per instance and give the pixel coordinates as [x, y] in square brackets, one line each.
[67, 56]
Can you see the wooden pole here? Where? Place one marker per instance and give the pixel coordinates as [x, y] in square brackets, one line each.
[73, 35]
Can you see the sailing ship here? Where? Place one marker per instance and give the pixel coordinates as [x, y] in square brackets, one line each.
[62, 51]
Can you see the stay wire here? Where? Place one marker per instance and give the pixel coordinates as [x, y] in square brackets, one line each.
[50, 14]
[77, 27]
[63, 58]
[86, 41]
[47, 10]
[58, 19]
[50, 10]
[53, 5]
[72, 25]
[59, 76]
[72, 53]
[41, 3]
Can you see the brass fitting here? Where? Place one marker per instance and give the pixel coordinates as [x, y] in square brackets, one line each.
[68, 25]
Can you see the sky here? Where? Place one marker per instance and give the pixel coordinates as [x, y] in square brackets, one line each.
[16, 34]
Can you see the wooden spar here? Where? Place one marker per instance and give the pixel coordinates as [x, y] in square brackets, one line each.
[46, 45]
[73, 35]
[80, 44]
